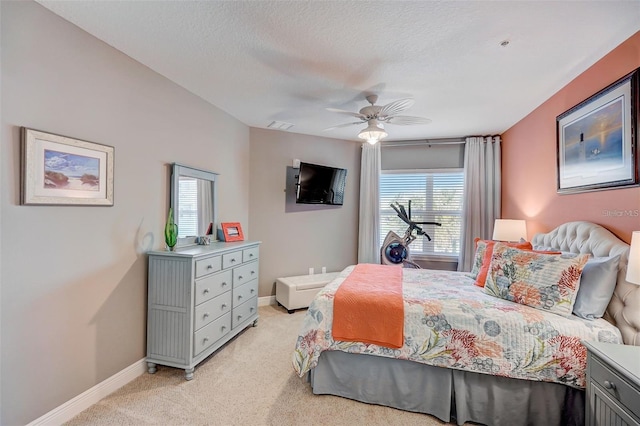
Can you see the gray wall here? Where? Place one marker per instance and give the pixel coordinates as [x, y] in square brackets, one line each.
[73, 279]
[296, 237]
[422, 156]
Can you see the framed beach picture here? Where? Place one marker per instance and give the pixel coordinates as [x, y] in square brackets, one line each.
[597, 140]
[58, 170]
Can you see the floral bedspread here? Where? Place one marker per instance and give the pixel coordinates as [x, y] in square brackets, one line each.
[449, 322]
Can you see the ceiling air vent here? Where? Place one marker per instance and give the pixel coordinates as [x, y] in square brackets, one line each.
[280, 125]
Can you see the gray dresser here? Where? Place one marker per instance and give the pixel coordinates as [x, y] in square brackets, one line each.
[198, 299]
[613, 384]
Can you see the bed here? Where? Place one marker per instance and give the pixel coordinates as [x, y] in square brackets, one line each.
[470, 356]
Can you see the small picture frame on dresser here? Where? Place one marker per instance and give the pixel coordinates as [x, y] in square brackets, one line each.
[232, 231]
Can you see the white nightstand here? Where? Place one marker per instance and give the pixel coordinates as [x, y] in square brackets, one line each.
[613, 384]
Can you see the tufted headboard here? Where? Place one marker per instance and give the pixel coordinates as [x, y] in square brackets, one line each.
[586, 237]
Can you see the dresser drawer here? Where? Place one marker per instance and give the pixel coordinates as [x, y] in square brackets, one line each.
[244, 312]
[245, 292]
[231, 259]
[250, 254]
[208, 266]
[615, 386]
[210, 333]
[212, 309]
[212, 286]
[245, 273]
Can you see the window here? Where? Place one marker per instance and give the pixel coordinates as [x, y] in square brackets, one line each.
[436, 196]
[188, 219]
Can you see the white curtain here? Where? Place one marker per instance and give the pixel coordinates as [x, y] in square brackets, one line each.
[369, 228]
[482, 182]
[205, 206]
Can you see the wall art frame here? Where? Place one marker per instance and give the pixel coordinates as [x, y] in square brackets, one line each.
[59, 170]
[597, 146]
[232, 231]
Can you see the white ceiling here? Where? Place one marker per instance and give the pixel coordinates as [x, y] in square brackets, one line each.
[269, 60]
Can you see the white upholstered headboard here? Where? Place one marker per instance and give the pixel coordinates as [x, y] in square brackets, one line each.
[586, 237]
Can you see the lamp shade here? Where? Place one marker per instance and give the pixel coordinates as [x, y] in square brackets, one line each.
[373, 132]
[633, 267]
[509, 230]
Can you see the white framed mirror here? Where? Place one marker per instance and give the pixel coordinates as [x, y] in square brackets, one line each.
[194, 203]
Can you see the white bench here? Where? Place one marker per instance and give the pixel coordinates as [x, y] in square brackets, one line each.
[298, 292]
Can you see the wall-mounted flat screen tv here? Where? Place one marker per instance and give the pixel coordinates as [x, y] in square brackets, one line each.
[320, 184]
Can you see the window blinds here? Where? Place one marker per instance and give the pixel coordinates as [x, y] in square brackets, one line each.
[436, 196]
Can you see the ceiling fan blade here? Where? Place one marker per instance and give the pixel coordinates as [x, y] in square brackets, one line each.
[343, 125]
[396, 107]
[406, 120]
[351, 113]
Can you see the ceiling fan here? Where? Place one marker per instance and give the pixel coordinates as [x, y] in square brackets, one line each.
[375, 116]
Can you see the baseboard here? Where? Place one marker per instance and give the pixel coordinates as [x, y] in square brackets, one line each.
[75, 406]
[266, 300]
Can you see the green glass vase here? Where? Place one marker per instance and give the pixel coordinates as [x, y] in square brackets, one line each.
[171, 231]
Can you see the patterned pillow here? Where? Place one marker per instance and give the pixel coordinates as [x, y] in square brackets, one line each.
[478, 257]
[482, 260]
[547, 282]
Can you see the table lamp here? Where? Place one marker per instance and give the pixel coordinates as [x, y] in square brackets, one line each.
[509, 230]
[633, 267]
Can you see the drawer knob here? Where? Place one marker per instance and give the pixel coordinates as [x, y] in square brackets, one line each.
[223, 328]
[232, 260]
[250, 254]
[239, 277]
[253, 272]
[239, 296]
[253, 290]
[205, 291]
[224, 305]
[224, 283]
[206, 315]
[205, 340]
[251, 309]
[609, 385]
[209, 266]
[239, 316]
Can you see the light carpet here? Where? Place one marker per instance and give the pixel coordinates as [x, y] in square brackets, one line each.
[249, 381]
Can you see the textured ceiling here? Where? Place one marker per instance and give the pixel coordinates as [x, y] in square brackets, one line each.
[262, 61]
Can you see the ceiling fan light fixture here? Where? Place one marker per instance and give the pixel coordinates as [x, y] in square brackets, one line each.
[373, 132]
[376, 115]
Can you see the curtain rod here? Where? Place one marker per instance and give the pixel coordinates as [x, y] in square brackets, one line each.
[392, 144]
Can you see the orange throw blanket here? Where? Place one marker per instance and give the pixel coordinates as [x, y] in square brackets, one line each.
[368, 306]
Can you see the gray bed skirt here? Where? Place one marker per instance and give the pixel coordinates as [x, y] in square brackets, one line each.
[450, 395]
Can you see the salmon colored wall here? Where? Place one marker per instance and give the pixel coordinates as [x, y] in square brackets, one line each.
[529, 175]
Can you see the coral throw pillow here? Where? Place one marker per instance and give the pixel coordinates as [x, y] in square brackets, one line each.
[485, 247]
[547, 282]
